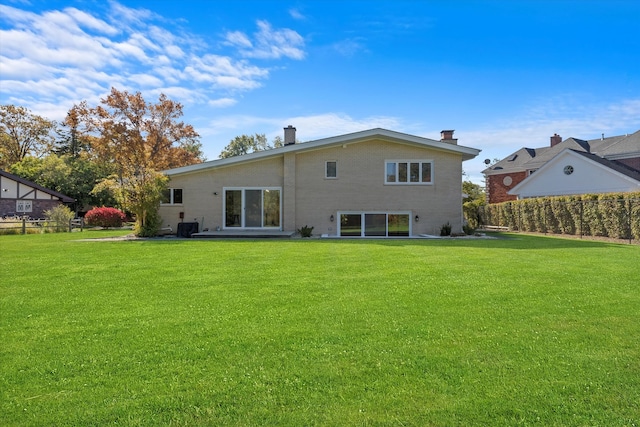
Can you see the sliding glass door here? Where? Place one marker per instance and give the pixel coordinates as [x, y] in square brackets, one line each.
[252, 208]
[374, 224]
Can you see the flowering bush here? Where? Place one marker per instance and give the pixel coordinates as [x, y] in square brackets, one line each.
[105, 217]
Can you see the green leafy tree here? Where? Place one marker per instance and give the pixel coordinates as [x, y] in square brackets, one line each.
[245, 144]
[473, 191]
[74, 177]
[473, 201]
[72, 140]
[23, 134]
[277, 142]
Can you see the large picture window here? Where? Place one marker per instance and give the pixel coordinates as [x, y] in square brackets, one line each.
[252, 208]
[409, 172]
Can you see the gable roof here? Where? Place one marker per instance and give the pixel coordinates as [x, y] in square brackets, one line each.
[63, 198]
[612, 148]
[618, 167]
[621, 147]
[467, 153]
[515, 161]
[621, 173]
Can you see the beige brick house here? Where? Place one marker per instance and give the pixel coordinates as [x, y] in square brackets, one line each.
[371, 183]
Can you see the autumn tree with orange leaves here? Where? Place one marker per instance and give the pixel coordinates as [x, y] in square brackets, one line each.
[140, 139]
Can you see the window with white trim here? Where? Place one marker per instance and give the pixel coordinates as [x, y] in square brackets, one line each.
[172, 196]
[331, 169]
[408, 172]
[23, 206]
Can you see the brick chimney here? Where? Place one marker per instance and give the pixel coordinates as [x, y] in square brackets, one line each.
[447, 136]
[555, 139]
[289, 135]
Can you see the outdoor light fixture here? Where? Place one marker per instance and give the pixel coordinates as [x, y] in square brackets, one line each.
[417, 218]
[331, 218]
[4, 189]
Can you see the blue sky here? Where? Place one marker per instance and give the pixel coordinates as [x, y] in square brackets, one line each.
[503, 74]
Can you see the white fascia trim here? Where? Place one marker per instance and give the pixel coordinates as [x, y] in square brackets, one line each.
[467, 153]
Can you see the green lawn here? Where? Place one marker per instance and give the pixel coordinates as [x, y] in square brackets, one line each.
[521, 331]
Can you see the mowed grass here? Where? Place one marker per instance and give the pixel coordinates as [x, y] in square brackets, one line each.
[521, 331]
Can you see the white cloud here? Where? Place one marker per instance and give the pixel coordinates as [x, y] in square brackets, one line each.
[61, 57]
[348, 47]
[145, 80]
[238, 39]
[296, 14]
[268, 43]
[222, 102]
[309, 127]
[126, 16]
[91, 22]
[497, 140]
[566, 116]
[23, 68]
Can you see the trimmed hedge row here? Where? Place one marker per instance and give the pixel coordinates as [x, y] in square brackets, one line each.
[615, 215]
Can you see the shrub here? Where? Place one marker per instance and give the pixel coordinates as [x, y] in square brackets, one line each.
[105, 217]
[472, 212]
[445, 230]
[468, 229]
[305, 231]
[615, 215]
[148, 225]
[58, 218]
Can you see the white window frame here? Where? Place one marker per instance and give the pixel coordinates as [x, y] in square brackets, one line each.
[408, 162]
[243, 208]
[326, 169]
[171, 197]
[24, 206]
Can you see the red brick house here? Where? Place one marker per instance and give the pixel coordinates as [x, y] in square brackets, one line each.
[616, 155]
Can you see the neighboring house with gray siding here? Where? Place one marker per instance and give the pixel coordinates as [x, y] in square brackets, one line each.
[21, 197]
[371, 183]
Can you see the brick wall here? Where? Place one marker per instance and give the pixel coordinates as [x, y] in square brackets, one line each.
[8, 207]
[497, 189]
[632, 163]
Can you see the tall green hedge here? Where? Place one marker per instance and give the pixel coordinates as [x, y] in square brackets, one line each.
[615, 215]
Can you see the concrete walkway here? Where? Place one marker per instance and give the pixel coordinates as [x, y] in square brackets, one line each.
[248, 234]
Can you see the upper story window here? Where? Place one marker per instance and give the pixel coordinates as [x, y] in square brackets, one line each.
[409, 172]
[331, 169]
[172, 196]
